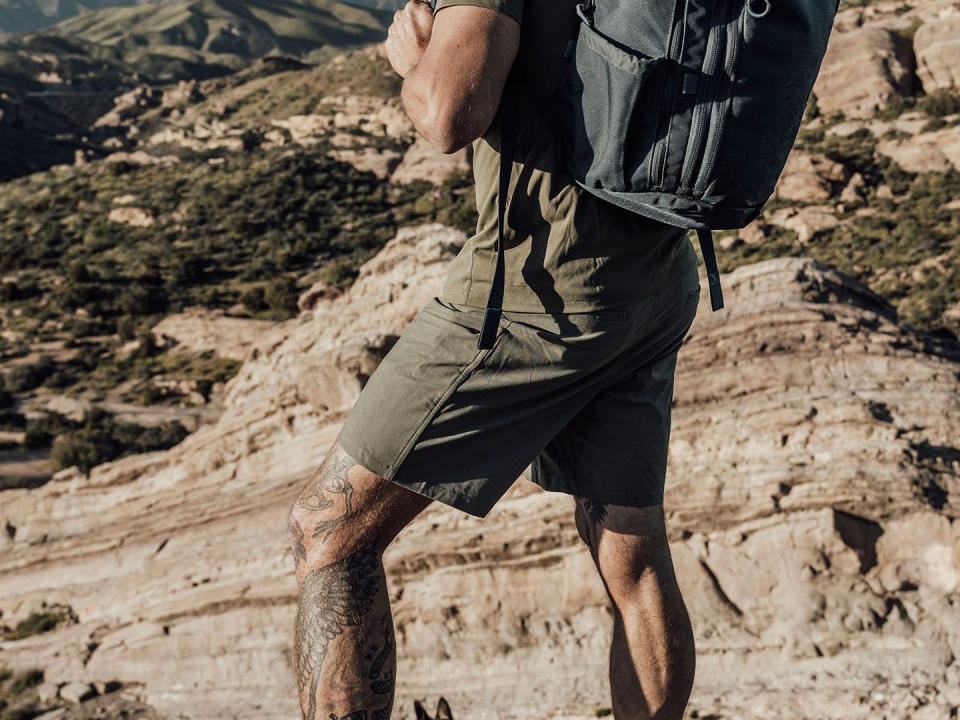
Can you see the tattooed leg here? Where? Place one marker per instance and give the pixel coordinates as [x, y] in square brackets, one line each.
[652, 654]
[345, 651]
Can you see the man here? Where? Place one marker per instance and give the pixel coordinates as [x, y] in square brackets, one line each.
[576, 389]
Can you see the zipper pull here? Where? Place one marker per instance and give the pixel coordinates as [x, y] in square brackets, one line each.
[758, 8]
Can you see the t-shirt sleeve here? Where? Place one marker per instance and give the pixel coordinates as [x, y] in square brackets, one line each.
[513, 8]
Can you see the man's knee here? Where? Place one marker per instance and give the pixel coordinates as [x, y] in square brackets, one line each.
[628, 544]
[345, 508]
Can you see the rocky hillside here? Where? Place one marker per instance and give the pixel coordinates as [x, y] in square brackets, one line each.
[231, 32]
[813, 484]
[29, 15]
[815, 466]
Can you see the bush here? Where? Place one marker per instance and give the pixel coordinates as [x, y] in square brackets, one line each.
[281, 298]
[939, 104]
[253, 300]
[23, 378]
[7, 400]
[24, 681]
[100, 438]
[35, 624]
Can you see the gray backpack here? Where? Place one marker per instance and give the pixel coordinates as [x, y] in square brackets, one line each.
[684, 111]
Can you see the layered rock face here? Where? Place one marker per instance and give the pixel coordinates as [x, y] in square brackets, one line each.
[812, 501]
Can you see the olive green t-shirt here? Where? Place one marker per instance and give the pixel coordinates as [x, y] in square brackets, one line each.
[566, 250]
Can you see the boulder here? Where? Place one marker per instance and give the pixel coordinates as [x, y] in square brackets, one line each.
[863, 69]
[422, 161]
[77, 692]
[937, 48]
[937, 151]
[200, 330]
[808, 177]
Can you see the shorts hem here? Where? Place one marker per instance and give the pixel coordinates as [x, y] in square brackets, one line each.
[360, 455]
[603, 495]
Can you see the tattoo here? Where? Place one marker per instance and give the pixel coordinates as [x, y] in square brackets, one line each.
[382, 682]
[330, 479]
[299, 551]
[332, 599]
[380, 714]
[596, 511]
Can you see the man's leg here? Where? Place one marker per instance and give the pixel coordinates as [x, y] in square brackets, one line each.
[344, 646]
[652, 654]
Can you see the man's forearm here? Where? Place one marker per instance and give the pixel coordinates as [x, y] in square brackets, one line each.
[433, 113]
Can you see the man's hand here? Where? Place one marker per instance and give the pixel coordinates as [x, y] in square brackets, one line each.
[409, 35]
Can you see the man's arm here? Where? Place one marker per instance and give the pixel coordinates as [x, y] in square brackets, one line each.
[454, 66]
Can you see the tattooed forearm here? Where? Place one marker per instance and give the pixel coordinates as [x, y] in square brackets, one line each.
[332, 599]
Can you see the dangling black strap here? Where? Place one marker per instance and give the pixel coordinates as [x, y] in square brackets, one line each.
[713, 272]
[491, 318]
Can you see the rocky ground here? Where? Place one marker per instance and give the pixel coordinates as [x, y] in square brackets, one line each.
[812, 503]
[815, 462]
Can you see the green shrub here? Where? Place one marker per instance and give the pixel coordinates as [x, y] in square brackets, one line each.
[281, 296]
[100, 438]
[24, 681]
[939, 104]
[23, 378]
[28, 711]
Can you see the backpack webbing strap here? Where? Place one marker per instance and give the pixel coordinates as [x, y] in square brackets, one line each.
[491, 318]
[713, 272]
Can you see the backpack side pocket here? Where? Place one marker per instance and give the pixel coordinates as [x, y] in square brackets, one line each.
[611, 93]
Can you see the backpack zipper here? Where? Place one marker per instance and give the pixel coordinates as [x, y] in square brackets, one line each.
[703, 107]
[735, 33]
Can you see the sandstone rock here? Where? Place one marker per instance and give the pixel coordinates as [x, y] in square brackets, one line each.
[752, 234]
[47, 692]
[201, 330]
[128, 105]
[851, 193]
[806, 221]
[937, 47]
[422, 161]
[140, 157]
[131, 215]
[186, 92]
[863, 69]
[937, 151]
[77, 692]
[808, 177]
[814, 448]
[53, 714]
[305, 129]
[379, 162]
[318, 292]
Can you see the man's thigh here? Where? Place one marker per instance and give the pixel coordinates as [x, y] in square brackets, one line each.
[459, 424]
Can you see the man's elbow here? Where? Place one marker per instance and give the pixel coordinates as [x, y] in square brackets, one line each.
[447, 126]
[448, 131]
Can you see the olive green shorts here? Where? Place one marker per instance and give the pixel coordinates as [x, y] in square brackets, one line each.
[579, 401]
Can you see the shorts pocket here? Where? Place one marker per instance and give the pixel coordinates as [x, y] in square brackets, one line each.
[612, 96]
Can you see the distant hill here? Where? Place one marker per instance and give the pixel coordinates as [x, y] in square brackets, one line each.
[231, 32]
[18, 16]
